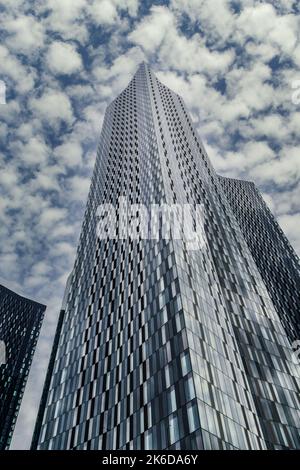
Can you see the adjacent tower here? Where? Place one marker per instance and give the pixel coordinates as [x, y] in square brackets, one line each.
[273, 254]
[163, 347]
[20, 324]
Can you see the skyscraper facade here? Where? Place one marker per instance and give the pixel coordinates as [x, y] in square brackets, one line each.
[20, 323]
[161, 346]
[273, 254]
[49, 373]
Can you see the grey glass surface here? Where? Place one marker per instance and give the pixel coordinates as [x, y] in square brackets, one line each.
[162, 347]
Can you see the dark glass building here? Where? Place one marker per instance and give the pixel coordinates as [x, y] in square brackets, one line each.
[161, 346]
[49, 373]
[273, 254]
[20, 323]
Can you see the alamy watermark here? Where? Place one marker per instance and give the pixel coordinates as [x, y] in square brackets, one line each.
[140, 222]
[2, 92]
[296, 93]
[2, 353]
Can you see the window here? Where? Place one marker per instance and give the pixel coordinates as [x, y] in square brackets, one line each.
[173, 429]
[172, 400]
[167, 376]
[189, 389]
[148, 440]
[185, 363]
[193, 417]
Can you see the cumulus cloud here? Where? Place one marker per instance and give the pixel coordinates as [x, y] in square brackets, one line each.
[247, 159]
[158, 34]
[290, 224]
[12, 68]
[45, 182]
[70, 153]
[34, 152]
[65, 18]
[261, 21]
[79, 187]
[215, 17]
[52, 215]
[53, 107]
[151, 31]
[63, 58]
[9, 176]
[25, 33]
[285, 169]
[104, 12]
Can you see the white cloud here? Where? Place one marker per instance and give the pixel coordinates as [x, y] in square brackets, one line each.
[286, 201]
[10, 66]
[63, 249]
[69, 153]
[150, 32]
[215, 17]
[50, 216]
[158, 34]
[3, 131]
[45, 182]
[250, 87]
[294, 123]
[261, 51]
[285, 6]
[61, 231]
[269, 125]
[8, 176]
[65, 17]
[269, 201]
[41, 268]
[290, 223]
[262, 23]
[79, 187]
[285, 169]
[81, 91]
[247, 158]
[53, 106]
[63, 58]
[296, 55]
[110, 80]
[34, 152]
[26, 33]
[104, 12]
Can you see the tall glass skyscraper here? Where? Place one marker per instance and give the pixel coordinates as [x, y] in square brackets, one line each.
[161, 346]
[20, 324]
[273, 254]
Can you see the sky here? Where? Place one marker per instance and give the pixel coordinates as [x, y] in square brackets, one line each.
[235, 63]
